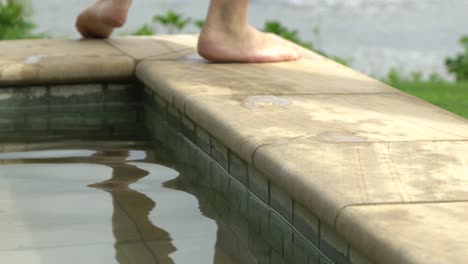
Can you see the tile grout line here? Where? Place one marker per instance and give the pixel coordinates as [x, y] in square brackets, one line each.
[107, 41]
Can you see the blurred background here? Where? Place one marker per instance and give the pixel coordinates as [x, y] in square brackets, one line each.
[412, 44]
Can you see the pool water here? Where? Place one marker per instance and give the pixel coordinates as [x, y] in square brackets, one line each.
[99, 206]
[115, 203]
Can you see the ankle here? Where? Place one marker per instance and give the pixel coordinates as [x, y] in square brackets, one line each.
[114, 14]
[213, 30]
[116, 19]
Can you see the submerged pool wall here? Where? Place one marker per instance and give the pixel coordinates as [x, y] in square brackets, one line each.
[67, 111]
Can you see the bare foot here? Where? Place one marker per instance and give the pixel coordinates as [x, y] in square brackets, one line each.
[100, 19]
[246, 45]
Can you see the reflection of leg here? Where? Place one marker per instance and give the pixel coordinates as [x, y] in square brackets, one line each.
[101, 18]
[123, 175]
[227, 36]
[227, 249]
[137, 239]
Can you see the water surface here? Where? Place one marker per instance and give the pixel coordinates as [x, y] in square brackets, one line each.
[115, 205]
[96, 207]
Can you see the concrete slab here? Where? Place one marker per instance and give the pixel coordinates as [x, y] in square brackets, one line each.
[327, 177]
[42, 61]
[244, 123]
[409, 233]
[177, 80]
[154, 47]
[186, 40]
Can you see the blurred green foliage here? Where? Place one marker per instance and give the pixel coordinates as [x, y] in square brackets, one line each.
[395, 76]
[145, 30]
[448, 95]
[199, 23]
[434, 89]
[459, 64]
[172, 21]
[14, 23]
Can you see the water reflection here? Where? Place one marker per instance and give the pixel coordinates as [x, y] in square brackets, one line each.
[135, 235]
[153, 223]
[150, 223]
[155, 214]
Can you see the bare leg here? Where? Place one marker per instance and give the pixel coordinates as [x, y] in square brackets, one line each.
[228, 37]
[100, 19]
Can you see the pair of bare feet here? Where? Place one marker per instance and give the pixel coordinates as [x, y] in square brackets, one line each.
[226, 36]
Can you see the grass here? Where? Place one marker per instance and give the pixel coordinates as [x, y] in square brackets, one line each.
[450, 96]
